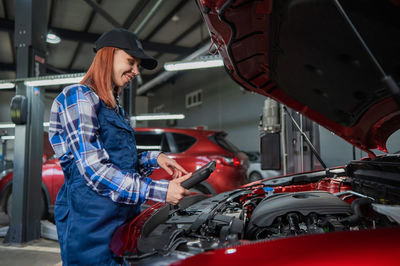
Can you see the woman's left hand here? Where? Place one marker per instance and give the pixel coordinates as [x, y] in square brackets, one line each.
[170, 166]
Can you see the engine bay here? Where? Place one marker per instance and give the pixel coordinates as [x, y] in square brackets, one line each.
[314, 203]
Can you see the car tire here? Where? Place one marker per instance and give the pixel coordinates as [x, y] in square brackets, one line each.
[43, 209]
[255, 176]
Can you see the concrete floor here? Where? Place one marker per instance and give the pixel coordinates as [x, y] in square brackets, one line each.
[42, 252]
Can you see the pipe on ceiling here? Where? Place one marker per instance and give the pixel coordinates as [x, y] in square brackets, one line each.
[163, 77]
[148, 17]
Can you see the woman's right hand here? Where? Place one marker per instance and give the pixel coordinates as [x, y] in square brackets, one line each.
[175, 191]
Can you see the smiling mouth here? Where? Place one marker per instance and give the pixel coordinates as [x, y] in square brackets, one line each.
[128, 77]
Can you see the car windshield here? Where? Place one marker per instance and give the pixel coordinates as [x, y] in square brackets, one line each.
[253, 156]
[221, 141]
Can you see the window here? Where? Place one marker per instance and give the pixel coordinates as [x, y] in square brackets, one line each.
[183, 142]
[253, 156]
[220, 139]
[194, 98]
[149, 141]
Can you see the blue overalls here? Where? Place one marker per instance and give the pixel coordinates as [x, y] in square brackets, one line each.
[86, 220]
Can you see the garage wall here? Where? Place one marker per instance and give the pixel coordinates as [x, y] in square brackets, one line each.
[225, 105]
[5, 100]
[337, 151]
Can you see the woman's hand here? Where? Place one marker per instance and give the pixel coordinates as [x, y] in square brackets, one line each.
[170, 166]
[175, 191]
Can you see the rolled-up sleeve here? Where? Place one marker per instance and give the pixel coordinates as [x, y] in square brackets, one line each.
[147, 162]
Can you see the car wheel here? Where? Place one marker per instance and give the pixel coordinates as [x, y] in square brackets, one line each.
[43, 208]
[254, 177]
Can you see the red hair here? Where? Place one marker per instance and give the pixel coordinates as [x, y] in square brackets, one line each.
[99, 76]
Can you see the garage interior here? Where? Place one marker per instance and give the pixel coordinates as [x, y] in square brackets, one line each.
[43, 38]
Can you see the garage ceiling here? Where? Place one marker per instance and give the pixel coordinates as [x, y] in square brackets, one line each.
[173, 29]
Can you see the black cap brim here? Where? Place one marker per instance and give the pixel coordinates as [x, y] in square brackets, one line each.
[147, 61]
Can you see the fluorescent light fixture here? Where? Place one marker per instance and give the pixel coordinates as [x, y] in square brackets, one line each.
[196, 64]
[148, 147]
[7, 85]
[7, 125]
[158, 117]
[52, 38]
[44, 80]
[53, 81]
[7, 137]
[12, 125]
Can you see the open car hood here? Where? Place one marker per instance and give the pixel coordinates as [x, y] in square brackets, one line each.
[304, 54]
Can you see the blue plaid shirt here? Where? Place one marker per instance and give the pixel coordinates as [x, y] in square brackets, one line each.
[73, 134]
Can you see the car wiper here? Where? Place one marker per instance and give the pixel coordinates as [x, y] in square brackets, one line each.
[302, 178]
[387, 80]
[314, 151]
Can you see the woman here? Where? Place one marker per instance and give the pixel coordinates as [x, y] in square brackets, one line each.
[105, 179]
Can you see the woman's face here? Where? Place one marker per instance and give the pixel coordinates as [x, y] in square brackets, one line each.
[125, 68]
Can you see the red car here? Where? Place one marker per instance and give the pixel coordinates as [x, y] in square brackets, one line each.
[191, 148]
[331, 61]
[52, 180]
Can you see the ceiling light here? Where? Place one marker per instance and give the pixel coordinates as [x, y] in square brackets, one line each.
[158, 117]
[7, 137]
[56, 80]
[43, 81]
[52, 38]
[12, 125]
[148, 147]
[7, 85]
[175, 18]
[7, 125]
[196, 64]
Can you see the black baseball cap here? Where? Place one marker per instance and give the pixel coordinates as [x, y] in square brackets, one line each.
[127, 41]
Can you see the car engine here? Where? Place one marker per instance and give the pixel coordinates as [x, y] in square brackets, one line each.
[276, 216]
[278, 208]
[297, 213]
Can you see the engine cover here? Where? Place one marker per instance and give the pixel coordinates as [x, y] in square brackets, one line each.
[319, 202]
